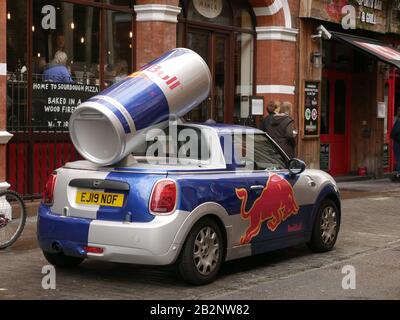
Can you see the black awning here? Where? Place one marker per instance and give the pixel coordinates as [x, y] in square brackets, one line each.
[378, 49]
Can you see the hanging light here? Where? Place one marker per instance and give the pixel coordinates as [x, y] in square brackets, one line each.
[72, 25]
[38, 54]
[131, 34]
[8, 16]
[316, 59]
[33, 28]
[82, 40]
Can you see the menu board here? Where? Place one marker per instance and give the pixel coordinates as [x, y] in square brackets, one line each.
[311, 108]
[324, 162]
[53, 103]
[385, 160]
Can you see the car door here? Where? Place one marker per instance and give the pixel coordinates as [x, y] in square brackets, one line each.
[274, 207]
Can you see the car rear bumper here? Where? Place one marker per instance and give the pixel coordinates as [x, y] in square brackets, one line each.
[152, 243]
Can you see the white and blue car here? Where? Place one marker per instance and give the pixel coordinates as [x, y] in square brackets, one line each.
[220, 205]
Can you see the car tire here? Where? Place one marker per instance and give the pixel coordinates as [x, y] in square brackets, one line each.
[202, 254]
[61, 260]
[326, 227]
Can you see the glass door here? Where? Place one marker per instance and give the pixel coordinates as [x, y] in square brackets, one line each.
[213, 47]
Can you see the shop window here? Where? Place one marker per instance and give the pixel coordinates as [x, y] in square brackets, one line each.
[71, 29]
[118, 46]
[17, 64]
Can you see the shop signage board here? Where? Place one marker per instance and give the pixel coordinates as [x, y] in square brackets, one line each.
[311, 109]
[209, 8]
[324, 162]
[53, 103]
[368, 14]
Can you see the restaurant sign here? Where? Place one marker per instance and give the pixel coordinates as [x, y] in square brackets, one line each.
[53, 103]
[351, 14]
[209, 8]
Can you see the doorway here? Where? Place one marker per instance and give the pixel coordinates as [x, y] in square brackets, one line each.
[224, 36]
[335, 120]
[214, 48]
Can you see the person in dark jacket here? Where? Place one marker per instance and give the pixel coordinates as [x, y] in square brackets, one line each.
[57, 70]
[395, 136]
[272, 108]
[281, 129]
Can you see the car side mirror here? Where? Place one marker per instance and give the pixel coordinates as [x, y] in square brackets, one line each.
[296, 167]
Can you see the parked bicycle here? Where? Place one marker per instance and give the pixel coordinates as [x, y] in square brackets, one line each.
[12, 217]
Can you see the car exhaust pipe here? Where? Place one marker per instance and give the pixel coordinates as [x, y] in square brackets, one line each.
[56, 246]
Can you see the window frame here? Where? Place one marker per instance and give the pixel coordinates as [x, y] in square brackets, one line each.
[103, 7]
[277, 148]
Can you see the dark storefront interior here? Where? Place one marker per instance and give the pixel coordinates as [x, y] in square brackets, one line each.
[352, 132]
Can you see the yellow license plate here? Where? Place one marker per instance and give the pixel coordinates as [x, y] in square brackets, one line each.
[100, 198]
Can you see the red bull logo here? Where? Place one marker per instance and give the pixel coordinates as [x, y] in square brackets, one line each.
[171, 81]
[275, 205]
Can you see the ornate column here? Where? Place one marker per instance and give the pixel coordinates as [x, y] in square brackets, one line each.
[156, 22]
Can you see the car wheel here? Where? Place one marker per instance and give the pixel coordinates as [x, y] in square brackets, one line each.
[202, 253]
[326, 227]
[62, 261]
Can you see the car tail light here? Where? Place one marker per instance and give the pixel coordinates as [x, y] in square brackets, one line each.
[163, 197]
[48, 191]
[95, 250]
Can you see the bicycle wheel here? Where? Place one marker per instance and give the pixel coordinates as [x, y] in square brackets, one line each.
[12, 217]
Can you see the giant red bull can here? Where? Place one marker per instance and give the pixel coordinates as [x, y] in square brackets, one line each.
[105, 129]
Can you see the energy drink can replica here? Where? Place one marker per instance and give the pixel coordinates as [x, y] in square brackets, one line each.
[105, 128]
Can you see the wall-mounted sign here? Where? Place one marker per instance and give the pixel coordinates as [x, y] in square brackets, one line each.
[311, 108]
[53, 103]
[324, 162]
[257, 106]
[209, 8]
[385, 159]
[381, 110]
[354, 14]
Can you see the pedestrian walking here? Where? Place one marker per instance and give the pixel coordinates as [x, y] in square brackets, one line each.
[281, 128]
[395, 136]
[272, 108]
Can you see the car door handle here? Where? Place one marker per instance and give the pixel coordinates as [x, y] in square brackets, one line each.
[257, 187]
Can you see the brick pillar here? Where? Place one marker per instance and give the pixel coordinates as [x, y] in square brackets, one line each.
[156, 22]
[276, 50]
[4, 135]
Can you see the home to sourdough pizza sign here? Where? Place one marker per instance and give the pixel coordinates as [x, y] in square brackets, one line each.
[53, 103]
[209, 8]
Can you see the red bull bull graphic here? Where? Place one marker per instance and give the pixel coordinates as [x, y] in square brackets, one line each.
[275, 205]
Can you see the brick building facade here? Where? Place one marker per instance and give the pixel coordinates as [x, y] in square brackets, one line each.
[266, 49]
